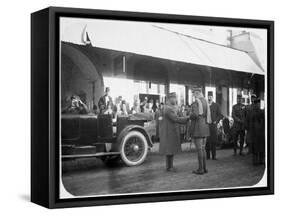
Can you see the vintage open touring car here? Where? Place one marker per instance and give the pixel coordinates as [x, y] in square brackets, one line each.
[128, 138]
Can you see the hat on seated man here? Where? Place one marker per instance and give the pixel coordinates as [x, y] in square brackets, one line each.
[196, 89]
[172, 95]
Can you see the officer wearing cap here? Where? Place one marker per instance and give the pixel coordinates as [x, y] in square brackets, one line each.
[169, 131]
[215, 118]
[105, 102]
[238, 115]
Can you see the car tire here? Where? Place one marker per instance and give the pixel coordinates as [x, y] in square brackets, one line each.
[134, 148]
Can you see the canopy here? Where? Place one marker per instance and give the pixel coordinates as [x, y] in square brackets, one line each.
[150, 39]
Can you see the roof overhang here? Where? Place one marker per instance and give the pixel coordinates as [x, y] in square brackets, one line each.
[149, 40]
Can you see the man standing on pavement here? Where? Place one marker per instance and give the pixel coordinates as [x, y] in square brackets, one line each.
[238, 115]
[255, 124]
[169, 131]
[215, 118]
[249, 136]
[199, 129]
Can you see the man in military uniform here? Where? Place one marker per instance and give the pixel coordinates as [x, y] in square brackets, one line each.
[255, 125]
[169, 131]
[215, 118]
[199, 129]
[249, 136]
[238, 115]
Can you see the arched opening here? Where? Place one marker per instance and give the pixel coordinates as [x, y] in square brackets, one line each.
[79, 76]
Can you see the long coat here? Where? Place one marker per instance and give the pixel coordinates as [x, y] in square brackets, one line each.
[248, 113]
[215, 117]
[158, 114]
[199, 127]
[255, 125]
[169, 131]
[239, 115]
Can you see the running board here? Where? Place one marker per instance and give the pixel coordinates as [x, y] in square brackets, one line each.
[89, 155]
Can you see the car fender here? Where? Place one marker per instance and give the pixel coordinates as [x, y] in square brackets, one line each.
[128, 129]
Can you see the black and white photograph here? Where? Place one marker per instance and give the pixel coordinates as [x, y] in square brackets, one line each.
[140, 108]
[155, 107]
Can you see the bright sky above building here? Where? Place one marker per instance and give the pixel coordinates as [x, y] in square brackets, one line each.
[157, 39]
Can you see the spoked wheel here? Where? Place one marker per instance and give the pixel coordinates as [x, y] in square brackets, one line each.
[134, 148]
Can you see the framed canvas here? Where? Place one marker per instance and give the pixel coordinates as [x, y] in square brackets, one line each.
[138, 107]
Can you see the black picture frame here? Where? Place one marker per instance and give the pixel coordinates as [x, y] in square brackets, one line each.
[45, 107]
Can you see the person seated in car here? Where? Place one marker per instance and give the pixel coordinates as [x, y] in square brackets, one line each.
[143, 104]
[155, 106]
[150, 106]
[76, 106]
[136, 107]
[105, 101]
[123, 108]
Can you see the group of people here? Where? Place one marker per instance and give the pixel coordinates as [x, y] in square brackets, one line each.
[197, 122]
[200, 116]
[105, 106]
[150, 106]
[215, 117]
[76, 106]
[201, 120]
[121, 107]
[249, 124]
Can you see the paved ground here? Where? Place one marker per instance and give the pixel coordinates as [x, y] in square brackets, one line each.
[92, 177]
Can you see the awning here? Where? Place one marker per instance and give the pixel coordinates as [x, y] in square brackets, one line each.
[150, 40]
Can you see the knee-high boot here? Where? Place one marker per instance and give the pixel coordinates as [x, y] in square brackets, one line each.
[200, 160]
[200, 153]
[169, 162]
[204, 163]
[200, 170]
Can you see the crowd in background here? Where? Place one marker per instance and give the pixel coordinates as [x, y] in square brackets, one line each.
[202, 123]
[246, 124]
[117, 107]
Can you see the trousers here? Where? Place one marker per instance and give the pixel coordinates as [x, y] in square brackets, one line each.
[200, 144]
